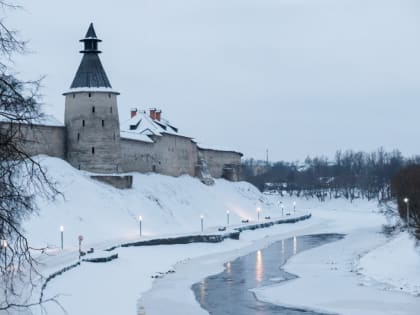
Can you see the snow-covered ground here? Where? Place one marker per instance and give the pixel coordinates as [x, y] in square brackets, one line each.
[395, 263]
[171, 206]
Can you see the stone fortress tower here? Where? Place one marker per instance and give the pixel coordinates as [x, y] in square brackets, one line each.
[92, 138]
[91, 114]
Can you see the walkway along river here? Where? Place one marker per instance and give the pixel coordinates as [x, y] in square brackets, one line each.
[229, 293]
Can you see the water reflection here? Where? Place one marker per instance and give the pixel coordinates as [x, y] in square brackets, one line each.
[202, 290]
[228, 293]
[259, 267]
[228, 267]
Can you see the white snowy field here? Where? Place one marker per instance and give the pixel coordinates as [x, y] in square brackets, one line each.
[171, 206]
[395, 263]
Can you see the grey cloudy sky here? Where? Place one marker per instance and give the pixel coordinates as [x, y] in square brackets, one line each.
[299, 77]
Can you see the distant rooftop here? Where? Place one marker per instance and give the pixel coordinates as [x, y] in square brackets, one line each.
[142, 127]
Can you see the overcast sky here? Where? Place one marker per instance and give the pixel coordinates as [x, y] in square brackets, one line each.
[297, 77]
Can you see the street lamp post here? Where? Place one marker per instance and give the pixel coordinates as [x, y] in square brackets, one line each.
[258, 213]
[407, 203]
[140, 221]
[202, 223]
[294, 206]
[227, 217]
[282, 209]
[62, 236]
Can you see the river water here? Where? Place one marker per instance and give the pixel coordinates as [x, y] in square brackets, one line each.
[228, 293]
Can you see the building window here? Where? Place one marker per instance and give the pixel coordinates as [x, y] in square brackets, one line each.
[90, 94]
[110, 110]
[109, 95]
[114, 135]
[83, 123]
[154, 168]
[93, 109]
[103, 123]
[74, 95]
[78, 136]
[93, 150]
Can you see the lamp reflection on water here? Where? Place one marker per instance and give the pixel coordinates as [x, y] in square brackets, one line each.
[228, 266]
[294, 245]
[259, 267]
[203, 287]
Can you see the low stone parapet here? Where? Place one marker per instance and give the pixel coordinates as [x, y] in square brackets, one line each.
[120, 182]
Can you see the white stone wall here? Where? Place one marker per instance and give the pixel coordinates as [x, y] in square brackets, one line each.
[219, 163]
[37, 139]
[93, 132]
[169, 155]
[176, 155]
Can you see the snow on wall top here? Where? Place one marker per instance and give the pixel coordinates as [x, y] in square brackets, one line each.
[216, 148]
[42, 120]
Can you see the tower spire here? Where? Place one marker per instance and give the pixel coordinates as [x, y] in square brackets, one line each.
[90, 41]
[90, 32]
[91, 73]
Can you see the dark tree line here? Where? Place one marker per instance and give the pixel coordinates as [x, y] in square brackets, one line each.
[351, 174]
[405, 187]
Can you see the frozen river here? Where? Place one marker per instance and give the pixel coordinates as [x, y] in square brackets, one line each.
[230, 292]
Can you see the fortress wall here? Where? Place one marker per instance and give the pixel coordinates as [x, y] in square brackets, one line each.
[226, 164]
[169, 155]
[137, 156]
[40, 139]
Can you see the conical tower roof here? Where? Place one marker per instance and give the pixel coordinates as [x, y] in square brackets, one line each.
[91, 32]
[90, 73]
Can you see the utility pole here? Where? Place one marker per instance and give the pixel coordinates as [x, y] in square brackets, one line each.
[267, 157]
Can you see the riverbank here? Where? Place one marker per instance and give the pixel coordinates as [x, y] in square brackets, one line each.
[165, 296]
[329, 281]
[115, 287]
[401, 272]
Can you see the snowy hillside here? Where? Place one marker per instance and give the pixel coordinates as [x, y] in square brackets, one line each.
[167, 205]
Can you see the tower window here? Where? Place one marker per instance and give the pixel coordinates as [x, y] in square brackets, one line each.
[83, 123]
[103, 123]
[90, 94]
[109, 95]
[93, 150]
[93, 109]
[78, 136]
[110, 110]
[114, 135]
[74, 95]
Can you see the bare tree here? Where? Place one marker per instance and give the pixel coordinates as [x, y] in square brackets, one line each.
[21, 176]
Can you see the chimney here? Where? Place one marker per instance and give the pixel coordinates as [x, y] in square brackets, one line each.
[158, 115]
[133, 112]
[153, 113]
